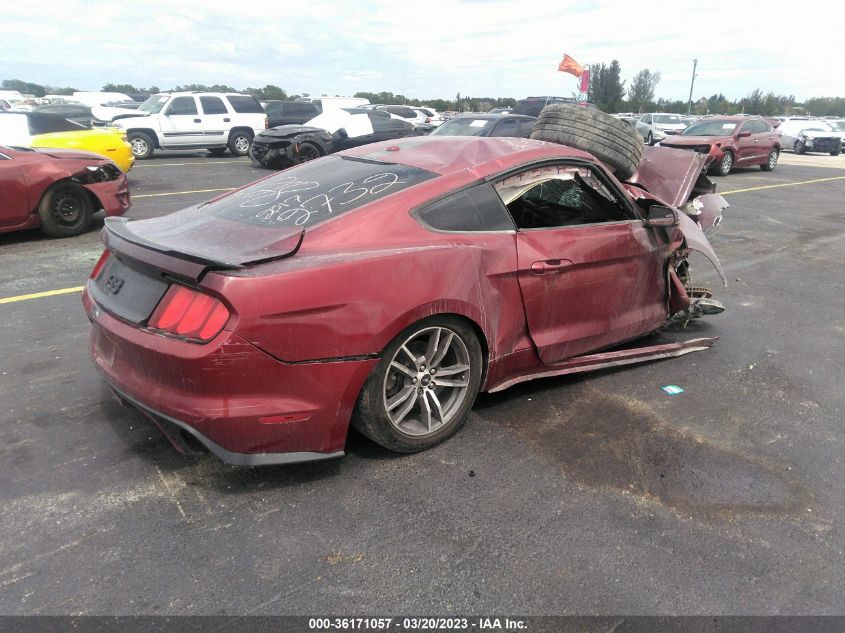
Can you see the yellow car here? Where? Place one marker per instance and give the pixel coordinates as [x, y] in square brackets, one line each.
[32, 129]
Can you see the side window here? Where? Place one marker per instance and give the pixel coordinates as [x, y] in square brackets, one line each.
[382, 122]
[274, 107]
[557, 196]
[746, 127]
[760, 127]
[212, 105]
[304, 109]
[183, 105]
[245, 104]
[525, 127]
[505, 128]
[475, 209]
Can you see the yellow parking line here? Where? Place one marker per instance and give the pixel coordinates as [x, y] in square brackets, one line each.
[39, 295]
[783, 184]
[208, 162]
[179, 193]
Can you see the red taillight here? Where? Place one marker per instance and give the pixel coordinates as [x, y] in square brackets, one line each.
[188, 313]
[99, 265]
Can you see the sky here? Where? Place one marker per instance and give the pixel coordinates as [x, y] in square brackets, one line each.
[427, 49]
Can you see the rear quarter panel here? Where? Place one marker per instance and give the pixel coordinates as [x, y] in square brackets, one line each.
[331, 303]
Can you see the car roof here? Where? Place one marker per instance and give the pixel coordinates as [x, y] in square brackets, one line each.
[738, 118]
[476, 156]
[493, 116]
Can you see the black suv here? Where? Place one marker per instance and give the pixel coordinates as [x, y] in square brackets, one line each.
[289, 112]
[532, 106]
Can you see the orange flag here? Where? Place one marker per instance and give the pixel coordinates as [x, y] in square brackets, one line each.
[569, 65]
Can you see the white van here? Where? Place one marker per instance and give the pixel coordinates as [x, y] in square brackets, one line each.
[327, 103]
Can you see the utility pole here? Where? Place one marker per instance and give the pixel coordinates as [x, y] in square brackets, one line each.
[691, 84]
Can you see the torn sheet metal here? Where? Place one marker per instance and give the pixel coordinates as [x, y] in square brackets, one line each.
[604, 360]
[669, 174]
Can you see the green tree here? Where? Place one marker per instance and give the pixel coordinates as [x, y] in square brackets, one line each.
[268, 92]
[641, 90]
[24, 87]
[606, 86]
[124, 88]
[204, 88]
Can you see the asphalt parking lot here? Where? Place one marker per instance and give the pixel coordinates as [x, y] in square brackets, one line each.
[593, 494]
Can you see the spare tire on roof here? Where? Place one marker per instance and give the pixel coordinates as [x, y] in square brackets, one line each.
[611, 140]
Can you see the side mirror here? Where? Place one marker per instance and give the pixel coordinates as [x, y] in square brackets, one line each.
[661, 216]
[743, 135]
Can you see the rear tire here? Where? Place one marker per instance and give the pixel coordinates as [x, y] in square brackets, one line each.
[609, 139]
[142, 145]
[239, 142]
[771, 161]
[836, 152]
[404, 405]
[65, 210]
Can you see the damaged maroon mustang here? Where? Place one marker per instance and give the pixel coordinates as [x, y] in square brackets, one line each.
[387, 285]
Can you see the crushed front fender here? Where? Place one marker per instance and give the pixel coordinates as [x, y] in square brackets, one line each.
[695, 240]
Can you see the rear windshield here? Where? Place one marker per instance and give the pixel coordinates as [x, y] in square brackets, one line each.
[44, 123]
[316, 191]
[244, 104]
[466, 126]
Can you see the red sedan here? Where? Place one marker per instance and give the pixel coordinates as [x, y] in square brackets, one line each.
[58, 190]
[388, 284]
[730, 141]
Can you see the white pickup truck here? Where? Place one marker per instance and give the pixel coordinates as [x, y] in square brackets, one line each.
[194, 120]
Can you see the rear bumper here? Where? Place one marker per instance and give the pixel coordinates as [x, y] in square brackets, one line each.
[229, 457]
[245, 406]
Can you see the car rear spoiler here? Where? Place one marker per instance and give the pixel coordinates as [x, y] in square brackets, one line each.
[118, 237]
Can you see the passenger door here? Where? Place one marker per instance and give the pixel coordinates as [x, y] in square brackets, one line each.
[216, 120]
[181, 124]
[591, 273]
[746, 144]
[764, 139]
[14, 203]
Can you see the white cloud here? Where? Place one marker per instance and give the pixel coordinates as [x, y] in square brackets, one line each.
[426, 50]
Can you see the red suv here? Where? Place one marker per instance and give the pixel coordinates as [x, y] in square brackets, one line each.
[731, 141]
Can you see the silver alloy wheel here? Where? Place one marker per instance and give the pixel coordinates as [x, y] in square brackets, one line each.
[773, 159]
[727, 163]
[139, 146]
[427, 381]
[242, 144]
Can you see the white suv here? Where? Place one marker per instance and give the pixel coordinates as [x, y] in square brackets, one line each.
[194, 120]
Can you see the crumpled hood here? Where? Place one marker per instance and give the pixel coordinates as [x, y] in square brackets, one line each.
[696, 140]
[74, 154]
[669, 174]
[287, 131]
